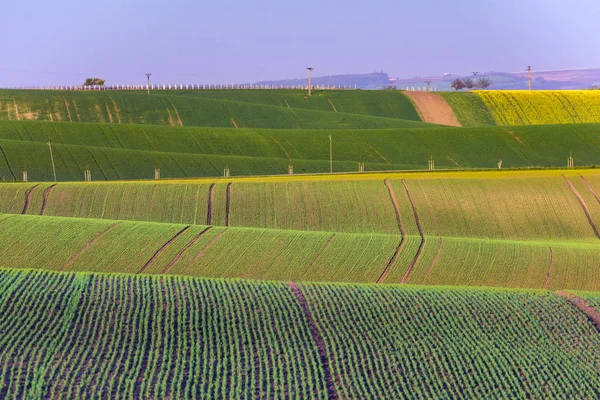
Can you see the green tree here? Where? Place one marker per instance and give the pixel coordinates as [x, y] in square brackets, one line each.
[94, 82]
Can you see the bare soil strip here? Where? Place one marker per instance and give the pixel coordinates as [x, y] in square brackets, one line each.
[319, 255]
[596, 196]
[201, 252]
[88, 244]
[549, 269]
[331, 393]
[590, 311]
[45, 200]
[437, 255]
[414, 261]
[187, 246]
[227, 203]
[28, 193]
[162, 248]
[583, 206]
[210, 203]
[433, 108]
[385, 272]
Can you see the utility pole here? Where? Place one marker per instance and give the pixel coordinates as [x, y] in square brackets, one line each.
[148, 76]
[529, 77]
[309, 80]
[475, 80]
[330, 155]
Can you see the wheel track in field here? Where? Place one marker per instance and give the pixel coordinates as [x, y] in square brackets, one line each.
[547, 281]
[45, 198]
[183, 249]
[583, 206]
[201, 252]
[7, 164]
[210, 204]
[435, 259]
[227, 203]
[319, 255]
[87, 245]
[162, 248]
[422, 244]
[591, 189]
[28, 194]
[331, 393]
[400, 246]
[590, 311]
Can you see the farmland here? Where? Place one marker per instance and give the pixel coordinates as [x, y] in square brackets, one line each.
[271, 349]
[468, 281]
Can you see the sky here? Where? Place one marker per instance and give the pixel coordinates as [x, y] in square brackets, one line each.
[206, 42]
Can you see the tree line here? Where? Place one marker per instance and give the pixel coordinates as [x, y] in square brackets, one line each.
[482, 83]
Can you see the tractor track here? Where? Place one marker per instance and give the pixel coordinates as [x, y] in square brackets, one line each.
[227, 203]
[591, 189]
[547, 281]
[583, 206]
[400, 246]
[162, 248]
[590, 311]
[45, 199]
[210, 204]
[88, 244]
[201, 252]
[422, 244]
[28, 194]
[183, 249]
[319, 254]
[331, 393]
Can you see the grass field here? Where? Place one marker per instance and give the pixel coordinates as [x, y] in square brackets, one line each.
[121, 336]
[166, 109]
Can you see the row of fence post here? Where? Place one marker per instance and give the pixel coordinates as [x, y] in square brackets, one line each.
[190, 87]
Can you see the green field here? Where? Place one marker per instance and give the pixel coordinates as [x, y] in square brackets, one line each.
[190, 338]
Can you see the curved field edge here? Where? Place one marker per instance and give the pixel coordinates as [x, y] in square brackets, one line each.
[51, 320]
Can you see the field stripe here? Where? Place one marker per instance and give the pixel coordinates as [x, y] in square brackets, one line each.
[201, 252]
[45, 199]
[28, 193]
[88, 244]
[435, 259]
[319, 255]
[414, 261]
[331, 393]
[210, 203]
[549, 269]
[162, 248]
[583, 206]
[227, 203]
[7, 164]
[187, 246]
[400, 246]
[590, 311]
[596, 196]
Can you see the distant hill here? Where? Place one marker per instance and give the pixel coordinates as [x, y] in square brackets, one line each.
[541, 80]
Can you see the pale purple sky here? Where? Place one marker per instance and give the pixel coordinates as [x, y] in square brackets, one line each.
[225, 41]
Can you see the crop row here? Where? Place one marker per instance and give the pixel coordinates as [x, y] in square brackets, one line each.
[121, 336]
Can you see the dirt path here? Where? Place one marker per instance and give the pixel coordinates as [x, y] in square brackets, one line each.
[590, 311]
[28, 194]
[227, 203]
[400, 246]
[45, 199]
[549, 269]
[187, 246]
[210, 203]
[583, 206]
[433, 108]
[319, 254]
[422, 244]
[88, 244]
[162, 248]
[331, 393]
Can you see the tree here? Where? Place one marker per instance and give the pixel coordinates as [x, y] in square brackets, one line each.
[94, 82]
[390, 87]
[469, 84]
[484, 83]
[457, 84]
